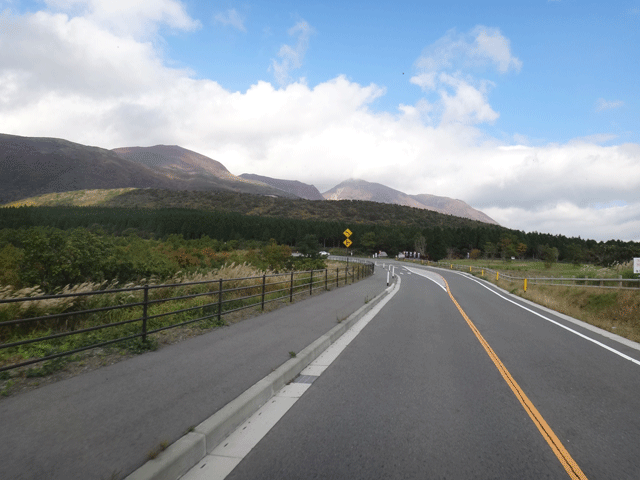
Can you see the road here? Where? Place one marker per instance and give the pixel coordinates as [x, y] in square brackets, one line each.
[101, 425]
[419, 394]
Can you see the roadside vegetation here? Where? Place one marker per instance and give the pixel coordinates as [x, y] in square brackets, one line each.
[155, 237]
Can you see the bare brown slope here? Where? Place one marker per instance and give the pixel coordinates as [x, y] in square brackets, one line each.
[32, 166]
[453, 207]
[197, 171]
[354, 189]
[174, 158]
[302, 190]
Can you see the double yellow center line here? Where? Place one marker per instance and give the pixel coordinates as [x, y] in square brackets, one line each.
[567, 461]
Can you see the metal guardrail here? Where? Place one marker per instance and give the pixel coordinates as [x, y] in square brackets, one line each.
[617, 283]
[239, 294]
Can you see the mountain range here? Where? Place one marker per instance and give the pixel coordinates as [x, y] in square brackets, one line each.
[33, 166]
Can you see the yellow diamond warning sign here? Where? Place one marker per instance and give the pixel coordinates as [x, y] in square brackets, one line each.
[347, 243]
[347, 233]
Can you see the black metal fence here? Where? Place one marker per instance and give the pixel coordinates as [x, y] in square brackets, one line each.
[127, 314]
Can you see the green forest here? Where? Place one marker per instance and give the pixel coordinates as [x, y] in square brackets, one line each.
[55, 246]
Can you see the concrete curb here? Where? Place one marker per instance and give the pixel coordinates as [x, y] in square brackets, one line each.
[187, 451]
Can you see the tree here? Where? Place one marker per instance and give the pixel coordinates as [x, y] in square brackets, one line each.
[420, 244]
[368, 242]
[309, 246]
[474, 254]
[507, 247]
[549, 255]
[490, 249]
[522, 249]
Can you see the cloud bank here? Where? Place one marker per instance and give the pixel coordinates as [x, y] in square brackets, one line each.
[70, 72]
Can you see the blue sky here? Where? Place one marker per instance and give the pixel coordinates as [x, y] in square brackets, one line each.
[527, 111]
[575, 55]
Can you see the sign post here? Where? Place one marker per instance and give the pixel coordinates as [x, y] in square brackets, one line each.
[347, 233]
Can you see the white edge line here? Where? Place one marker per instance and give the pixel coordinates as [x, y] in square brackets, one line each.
[626, 357]
[244, 438]
[418, 272]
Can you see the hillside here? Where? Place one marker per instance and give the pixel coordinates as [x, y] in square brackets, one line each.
[198, 171]
[32, 166]
[355, 189]
[174, 159]
[351, 211]
[299, 189]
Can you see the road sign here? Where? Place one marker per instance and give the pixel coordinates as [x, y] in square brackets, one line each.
[347, 233]
[347, 243]
[636, 265]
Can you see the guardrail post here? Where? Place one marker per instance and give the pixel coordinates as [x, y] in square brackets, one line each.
[220, 301]
[337, 277]
[326, 279]
[311, 283]
[145, 305]
[346, 275]
[264, 282]
[291, 290]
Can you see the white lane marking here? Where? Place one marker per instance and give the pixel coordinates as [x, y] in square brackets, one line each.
[314, 370]
[226, 456]
[434, 277]
[607, 347]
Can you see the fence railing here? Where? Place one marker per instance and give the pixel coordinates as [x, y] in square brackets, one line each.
[89, 320]
[618, 283]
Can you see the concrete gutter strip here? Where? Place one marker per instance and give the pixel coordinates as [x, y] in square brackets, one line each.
[187, 451]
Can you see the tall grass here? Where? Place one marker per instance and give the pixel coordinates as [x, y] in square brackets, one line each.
[242, 287]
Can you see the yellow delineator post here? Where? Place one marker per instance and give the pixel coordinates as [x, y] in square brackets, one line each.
[525, 284]
[497, 275]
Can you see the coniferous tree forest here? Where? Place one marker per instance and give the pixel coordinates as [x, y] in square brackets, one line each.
[55, 246]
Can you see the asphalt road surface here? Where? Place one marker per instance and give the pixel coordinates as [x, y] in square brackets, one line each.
[100, 425]
[419, 394]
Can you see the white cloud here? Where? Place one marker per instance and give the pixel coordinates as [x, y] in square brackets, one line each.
[602, 104]
[291, 57]
[489, 43]
[138, 18]
[479, 47]
[78, 78]
[468, 105]
[463, 98]
[231, 17]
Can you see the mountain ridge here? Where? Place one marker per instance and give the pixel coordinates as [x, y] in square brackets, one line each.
[357, 189]
[35, 166]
